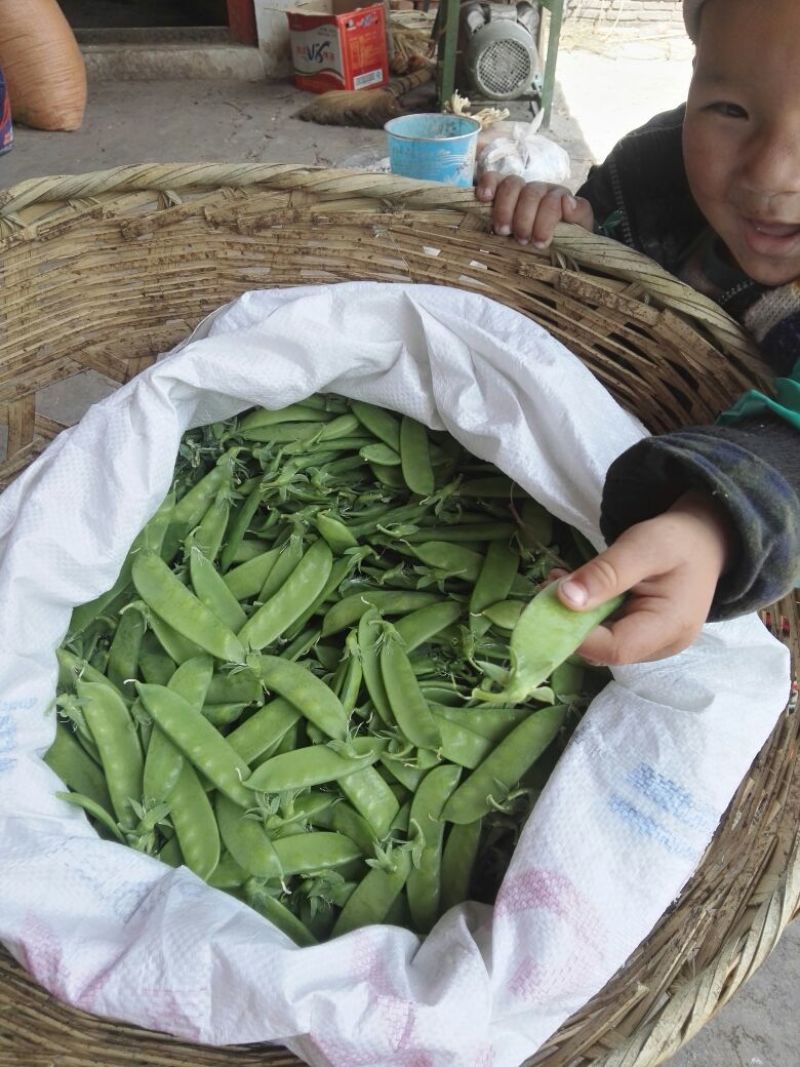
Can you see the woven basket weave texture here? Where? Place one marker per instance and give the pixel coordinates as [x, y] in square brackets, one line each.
[99, 273]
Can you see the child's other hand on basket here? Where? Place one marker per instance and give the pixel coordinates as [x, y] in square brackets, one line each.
[531, 210]
[669, 566]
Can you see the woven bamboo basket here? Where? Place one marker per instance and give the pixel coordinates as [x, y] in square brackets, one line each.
[100, 273]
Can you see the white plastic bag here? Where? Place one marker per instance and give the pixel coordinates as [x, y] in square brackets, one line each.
[517, 148]
[619, 829]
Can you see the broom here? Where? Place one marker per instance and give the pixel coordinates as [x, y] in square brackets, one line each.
[371, 108]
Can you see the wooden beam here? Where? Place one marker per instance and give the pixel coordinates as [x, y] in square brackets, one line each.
[242, 21]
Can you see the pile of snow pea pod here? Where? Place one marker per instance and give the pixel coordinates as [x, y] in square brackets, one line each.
[323, 679]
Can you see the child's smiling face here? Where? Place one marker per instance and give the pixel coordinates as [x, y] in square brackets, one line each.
[741, 135]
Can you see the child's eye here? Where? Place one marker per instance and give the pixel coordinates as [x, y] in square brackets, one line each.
[730, 111]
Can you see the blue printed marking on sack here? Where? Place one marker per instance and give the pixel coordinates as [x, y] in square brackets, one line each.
[8, 737]
[649, 827]
[671, 797]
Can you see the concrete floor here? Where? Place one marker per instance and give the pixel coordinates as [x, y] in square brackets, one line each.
[599, 98]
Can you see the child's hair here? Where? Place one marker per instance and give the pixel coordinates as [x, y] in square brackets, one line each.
[691, 16]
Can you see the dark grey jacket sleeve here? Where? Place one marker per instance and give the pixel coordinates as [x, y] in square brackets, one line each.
[752, 470]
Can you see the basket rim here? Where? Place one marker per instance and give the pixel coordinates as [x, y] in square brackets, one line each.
[572, 245]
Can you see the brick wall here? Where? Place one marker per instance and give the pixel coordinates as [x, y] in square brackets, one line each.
[629, 18]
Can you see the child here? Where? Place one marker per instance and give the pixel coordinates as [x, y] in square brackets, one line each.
[703, 523]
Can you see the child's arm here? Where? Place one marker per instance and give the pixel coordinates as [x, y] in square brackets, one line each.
[531, 210]
[703, 523]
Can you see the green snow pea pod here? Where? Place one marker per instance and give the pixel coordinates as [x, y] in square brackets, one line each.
[211, 590]
[155, 666]
[76, 768]
[566, 681]
[171, 600]
[318, 450]
[193, 505]
[300, 412]
[192, 680]
[240, 524]
[115, 735]
[335, 532]
[72, 669]
[250, 548]
[461, 745]
[500, 566]
[391, 477]
[291, 552]
[409, 707]
[372, 799]
[199, 741]
[223, 714]
[70, 708]
[349, 609]
[283, 432]
[369, 642]
[381, 454]
[312, 698]
[208, 534]
[315, 851]
[381, 423]
[248, 578]
[195, 823]
[264, 729]
[227, 874]
[313, 765]
[546, 634]
[407, 774]
[97, 811]
[492, 723]
[372, 899]
[349, 686]
[424, 885]
[265, 903]
[126, 647]
[347, 821]
[452, 559]
[164, 760]
[301, 588]
[458, 862]
[465, 532]
[174, 644]
[504, 613]
[246, 840]
[415, 457]
[340, 571]
[421, 625]
[492, 780]
[237, 686]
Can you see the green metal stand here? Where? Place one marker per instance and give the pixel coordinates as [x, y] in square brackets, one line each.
[446, 74]
[556, 9]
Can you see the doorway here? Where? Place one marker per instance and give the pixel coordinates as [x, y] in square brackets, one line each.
[238, 16]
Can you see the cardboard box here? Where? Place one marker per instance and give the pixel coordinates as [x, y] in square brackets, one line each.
[338, 45]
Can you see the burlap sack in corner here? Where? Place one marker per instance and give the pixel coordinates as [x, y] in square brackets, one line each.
[43, 65]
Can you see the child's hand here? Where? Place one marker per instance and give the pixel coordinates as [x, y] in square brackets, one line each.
[671, 565]
[530, 211]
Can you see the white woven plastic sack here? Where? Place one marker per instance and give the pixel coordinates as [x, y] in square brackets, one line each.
[619, 829]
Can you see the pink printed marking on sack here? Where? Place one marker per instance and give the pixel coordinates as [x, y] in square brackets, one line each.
[42, 956]
[545, 890]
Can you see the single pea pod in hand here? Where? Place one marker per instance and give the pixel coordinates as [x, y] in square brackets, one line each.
[546, 633]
